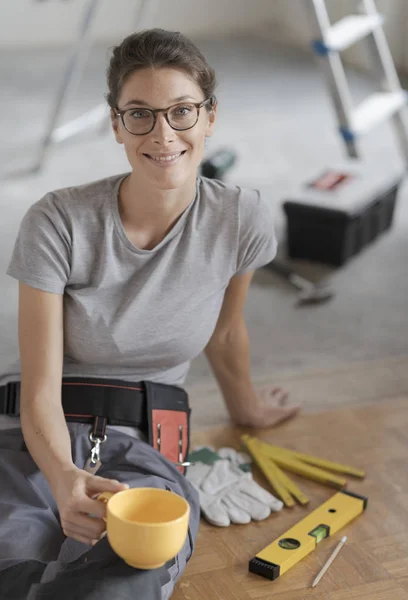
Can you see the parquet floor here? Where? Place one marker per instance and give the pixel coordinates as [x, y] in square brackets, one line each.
[373, 565]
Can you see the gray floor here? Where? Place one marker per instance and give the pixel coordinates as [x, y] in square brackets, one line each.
[275, 111]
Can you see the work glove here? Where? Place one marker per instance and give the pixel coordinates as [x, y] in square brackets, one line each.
[228, 494]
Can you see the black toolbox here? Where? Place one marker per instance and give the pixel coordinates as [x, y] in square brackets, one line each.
[335, 215]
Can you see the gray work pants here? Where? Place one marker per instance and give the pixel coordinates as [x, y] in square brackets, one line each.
[38, 562]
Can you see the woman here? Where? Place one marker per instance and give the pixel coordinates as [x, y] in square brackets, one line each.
[126, 280]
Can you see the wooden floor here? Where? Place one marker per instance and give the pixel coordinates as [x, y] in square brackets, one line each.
[373, 565]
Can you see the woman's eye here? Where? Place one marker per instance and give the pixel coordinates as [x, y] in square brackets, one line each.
[139, 114]
[183, 110]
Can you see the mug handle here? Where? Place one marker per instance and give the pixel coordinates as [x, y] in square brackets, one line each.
[104, 497]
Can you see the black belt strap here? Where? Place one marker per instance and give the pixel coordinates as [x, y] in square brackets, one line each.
[83, 399]
[10, 399]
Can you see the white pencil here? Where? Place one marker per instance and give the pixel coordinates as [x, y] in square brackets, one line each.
[330, 560]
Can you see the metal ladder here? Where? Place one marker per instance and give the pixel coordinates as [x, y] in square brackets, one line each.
[389, 103]
[93, 119]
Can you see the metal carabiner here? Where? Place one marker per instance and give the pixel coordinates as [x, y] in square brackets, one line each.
[94, 462]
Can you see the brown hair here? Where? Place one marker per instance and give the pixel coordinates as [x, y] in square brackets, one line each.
[157, 48]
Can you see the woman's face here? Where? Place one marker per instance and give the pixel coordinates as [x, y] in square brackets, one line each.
[161, 88]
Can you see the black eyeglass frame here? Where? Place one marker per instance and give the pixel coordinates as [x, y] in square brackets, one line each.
[155, 111]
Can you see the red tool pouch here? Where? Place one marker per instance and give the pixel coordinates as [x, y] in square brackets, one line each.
[168, 422]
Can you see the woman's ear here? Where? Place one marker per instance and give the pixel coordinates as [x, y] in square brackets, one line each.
[116, 126]
[212, 113]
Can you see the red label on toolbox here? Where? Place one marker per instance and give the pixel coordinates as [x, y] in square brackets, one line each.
[330, 180]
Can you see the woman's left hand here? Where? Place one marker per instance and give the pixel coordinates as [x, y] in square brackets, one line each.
[269, 409]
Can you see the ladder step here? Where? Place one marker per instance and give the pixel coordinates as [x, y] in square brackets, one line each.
[349, 30]
[375, 109]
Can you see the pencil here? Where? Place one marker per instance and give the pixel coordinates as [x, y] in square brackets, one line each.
[330, 560]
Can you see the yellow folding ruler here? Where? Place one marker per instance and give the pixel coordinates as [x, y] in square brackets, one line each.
[300, 540]
[272, 459]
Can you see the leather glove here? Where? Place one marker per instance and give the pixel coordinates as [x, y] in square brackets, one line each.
[228, 494]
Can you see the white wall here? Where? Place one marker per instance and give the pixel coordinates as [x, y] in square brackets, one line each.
[294, 26]
[51, 22]
[56, 22]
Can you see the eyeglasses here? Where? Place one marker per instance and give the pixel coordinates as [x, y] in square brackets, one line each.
[141, 121]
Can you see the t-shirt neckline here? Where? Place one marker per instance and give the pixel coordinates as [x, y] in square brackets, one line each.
[121, 230]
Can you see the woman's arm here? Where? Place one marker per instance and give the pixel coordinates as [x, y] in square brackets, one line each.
[41, 352]
[42, 418]
[229, 356]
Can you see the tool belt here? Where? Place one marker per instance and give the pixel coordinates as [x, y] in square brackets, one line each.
[161, 411]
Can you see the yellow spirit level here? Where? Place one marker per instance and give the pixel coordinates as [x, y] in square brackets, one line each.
[298, 542]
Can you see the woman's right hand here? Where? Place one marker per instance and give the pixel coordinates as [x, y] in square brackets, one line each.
[73, 491]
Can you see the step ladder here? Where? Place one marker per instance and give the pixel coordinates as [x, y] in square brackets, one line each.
[389, 102]
[98, 116]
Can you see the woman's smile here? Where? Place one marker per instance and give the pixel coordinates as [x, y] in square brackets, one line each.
[166, 159]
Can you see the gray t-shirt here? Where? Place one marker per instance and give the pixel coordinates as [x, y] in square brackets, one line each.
[140, 314]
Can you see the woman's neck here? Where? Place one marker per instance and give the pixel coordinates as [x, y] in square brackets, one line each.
[148, 214]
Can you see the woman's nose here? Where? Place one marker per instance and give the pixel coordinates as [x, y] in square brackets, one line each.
[162, 130]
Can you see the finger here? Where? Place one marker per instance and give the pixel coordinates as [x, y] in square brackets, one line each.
[279, 394]
[79, 536]
[88, 506]
[92, 527]
[97, 484]
[284, 414]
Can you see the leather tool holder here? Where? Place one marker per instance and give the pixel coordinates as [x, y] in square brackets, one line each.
[168, 422]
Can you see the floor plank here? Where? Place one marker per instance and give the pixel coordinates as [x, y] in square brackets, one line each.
[373, 565]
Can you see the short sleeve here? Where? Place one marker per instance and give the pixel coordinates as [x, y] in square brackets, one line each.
[41, 254]
[257, 240]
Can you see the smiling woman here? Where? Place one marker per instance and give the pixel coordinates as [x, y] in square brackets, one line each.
[172, 136]
[123, 282]
[162, 107]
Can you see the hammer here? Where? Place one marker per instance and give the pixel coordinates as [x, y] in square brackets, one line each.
[310, 293]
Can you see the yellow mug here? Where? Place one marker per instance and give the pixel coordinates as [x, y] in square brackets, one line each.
[146, 527]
